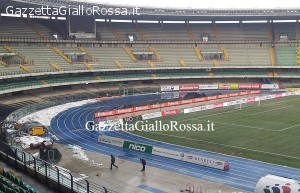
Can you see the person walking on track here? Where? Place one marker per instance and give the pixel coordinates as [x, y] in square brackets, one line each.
[112, 162]
[143, 162]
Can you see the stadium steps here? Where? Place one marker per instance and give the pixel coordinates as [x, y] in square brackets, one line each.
[98, 78]
[182, 63]
[60, 53]
[191, 33]
[129, 53]
[43, 82]
[87, 53]
[298, 55]
[114, 32]
[272, 56]
[297, 30]
[225, 53]
[152, 49]
[270, 74]
[270, 31]
[141, 34]
[89, 67]
[215, 31]
[11, 50]
[55, 66]
[216, 63]
[198, 53]
[151, 64]
[2, 63]
[154, 75]
[35, 29]
[25, 68]
[118, 63]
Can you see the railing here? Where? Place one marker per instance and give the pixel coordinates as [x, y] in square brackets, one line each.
[46, 172]
[152, 41]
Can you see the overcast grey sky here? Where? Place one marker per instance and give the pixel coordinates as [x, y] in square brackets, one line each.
[218, 4]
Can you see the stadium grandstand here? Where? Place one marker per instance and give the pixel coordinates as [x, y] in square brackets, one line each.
[53, 59]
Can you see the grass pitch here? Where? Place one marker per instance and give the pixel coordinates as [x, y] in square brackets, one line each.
[268, 132]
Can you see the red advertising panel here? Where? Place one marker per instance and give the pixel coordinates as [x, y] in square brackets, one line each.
[218, 105]
[243, 93]
[249, 86]
[189, 87]
[187, 101]
[105, 114]
[279, 95]
[212, 98]
[141, 108]
[122, 111]
[255, 91]
[234, 94]
[170, 112]
[155, 106]
[196, 100]
[223, 96]
[251, 99]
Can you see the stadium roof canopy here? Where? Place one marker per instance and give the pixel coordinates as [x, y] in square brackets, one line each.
[164, 14]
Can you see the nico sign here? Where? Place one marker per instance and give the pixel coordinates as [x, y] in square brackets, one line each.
[137, 147]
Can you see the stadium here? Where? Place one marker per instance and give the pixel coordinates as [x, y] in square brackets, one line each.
[203, 100]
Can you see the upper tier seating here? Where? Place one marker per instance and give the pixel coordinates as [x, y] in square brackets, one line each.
[288, 29]
[22, 28]
[285, 55]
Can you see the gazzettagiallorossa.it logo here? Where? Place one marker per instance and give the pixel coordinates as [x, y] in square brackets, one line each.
[71, 10]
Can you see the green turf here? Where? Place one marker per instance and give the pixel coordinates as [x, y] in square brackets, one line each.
[267, 132]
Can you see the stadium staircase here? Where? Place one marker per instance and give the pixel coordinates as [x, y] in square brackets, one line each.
[190, 32]
[25, 68]
[198, 53]
[272, 56]
[225, 53]
[151, 64]
[270, 74]
[11, 50]
[98, 78]
[60, 53]
[114, 32]
[271, 38]
[118, 63]
[152, 49]
[35, 29]
[129, 52]
[216, 63]
[215, 31]
[222, 48]
[182, 63]
[141, 34]
[89, 67]
[298, 55]
[154, 75]
[9, 183]
[87, 53]
[297, 30]
[2, 63]
[56, 67]
[43, 82]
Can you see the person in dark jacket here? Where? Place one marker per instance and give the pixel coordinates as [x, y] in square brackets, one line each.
[112, 162]
[143, 162]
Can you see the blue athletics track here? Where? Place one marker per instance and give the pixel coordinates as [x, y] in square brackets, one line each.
[69, 126]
